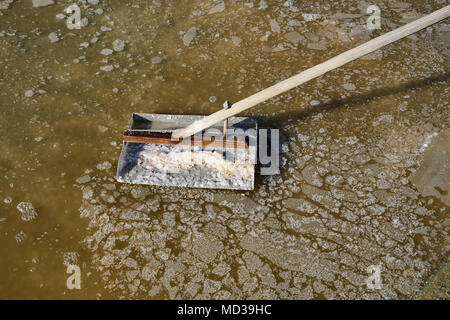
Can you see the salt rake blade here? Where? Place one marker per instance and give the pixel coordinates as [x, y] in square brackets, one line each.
[150, 156]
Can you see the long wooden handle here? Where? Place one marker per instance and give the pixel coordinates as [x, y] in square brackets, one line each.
[314, 72]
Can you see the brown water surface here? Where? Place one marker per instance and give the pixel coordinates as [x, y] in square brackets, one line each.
[352, 142]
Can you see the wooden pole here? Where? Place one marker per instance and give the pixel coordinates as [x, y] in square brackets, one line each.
[314, 72]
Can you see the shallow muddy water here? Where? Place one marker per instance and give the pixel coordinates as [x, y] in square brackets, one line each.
[358, 146]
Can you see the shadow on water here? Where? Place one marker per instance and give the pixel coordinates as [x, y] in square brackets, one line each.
[128, 158]
[352, 101]
[360, 99]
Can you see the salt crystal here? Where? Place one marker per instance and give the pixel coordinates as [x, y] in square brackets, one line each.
[107, 68]
[42, 3]
[218, 8]
[157, 60]
[294, 37]
[27, 210]
[83, 179]
[87, 193]
[311, 16]
[29, 93]
[118, 45]
[4, 5]
[320, 45]
[302, 137]
[70, 258]
[263, 5]
[104, 166]
[21, 236]
[189, 36]
[106, 52]
[275, 26]
[349, 86]
[53, 37]
[236, 40]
